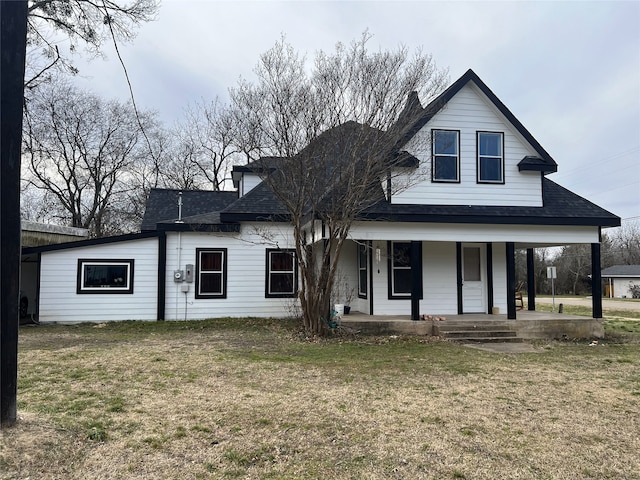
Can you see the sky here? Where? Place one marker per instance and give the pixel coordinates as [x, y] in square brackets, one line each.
[569, 71]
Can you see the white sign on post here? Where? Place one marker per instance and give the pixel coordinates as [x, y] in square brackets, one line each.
[551, 273]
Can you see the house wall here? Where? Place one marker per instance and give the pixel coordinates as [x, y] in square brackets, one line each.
[440, 290]
[469, 112]
[439, 281]
[622, 286]
[523, 235]
[347, 276]
[500, 276]
[246, 273]
[59, 301]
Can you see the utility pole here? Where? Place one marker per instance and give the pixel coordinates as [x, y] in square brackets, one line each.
[13, 40]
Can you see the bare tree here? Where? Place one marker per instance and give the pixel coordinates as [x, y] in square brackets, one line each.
[627, 242]
[206, 144]
[80, 149]
[79, 23]
[335, 129]
[573, 269]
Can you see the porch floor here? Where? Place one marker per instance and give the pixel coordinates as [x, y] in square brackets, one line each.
[527, 325]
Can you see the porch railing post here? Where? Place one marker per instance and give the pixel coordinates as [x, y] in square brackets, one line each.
[531, 280]
[596, 280]
[511, 280]
[416, 280]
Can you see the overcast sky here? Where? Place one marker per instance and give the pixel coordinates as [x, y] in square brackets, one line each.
[569, 71]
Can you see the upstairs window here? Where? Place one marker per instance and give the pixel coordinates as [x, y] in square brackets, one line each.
[211, 273]
[282, 273]
[105, 276]
[490, 157]
[445, 166]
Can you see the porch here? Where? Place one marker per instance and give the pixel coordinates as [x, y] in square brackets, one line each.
[481, 327]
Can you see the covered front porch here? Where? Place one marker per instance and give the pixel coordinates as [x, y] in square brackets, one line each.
[480, 327]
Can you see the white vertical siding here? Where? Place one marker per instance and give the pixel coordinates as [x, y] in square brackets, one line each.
[500, 276]
[439, 282]
[347, 274]
[469, 112]
[246, 273]
[59, 301]
[440, 279]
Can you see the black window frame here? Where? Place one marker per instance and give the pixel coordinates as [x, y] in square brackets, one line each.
[392, 294]
[222, 272]
[362, 252]
[268, 273]
[126, 289]
[479, 158]
[435, 155]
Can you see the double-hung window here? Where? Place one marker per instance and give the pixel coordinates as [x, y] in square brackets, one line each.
[490, 157]
[400, 269]
[362, 270]
[282, 273]
[445, 165]
[211, 273]
[105, 276]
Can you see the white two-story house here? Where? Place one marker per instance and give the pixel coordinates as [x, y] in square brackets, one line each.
[445, 245]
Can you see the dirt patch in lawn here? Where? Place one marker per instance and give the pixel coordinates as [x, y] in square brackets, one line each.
[203, 403]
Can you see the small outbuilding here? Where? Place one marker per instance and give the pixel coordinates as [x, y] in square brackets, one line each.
[622, 281]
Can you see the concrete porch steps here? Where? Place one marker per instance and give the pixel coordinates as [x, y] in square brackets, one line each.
[485, 332]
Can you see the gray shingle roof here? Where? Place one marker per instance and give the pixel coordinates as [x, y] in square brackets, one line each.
[622, 271]
[162, 205]
[560, 207]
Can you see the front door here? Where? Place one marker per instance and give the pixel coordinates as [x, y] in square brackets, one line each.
[473, 298]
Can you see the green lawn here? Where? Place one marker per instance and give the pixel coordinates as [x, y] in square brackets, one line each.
[222, 399]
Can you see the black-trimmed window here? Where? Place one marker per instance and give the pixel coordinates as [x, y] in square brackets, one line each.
[281, 273]
[490, 157]
[363, 271]
[105, 276]
[399, 270]
[211, 273]
[445, 165]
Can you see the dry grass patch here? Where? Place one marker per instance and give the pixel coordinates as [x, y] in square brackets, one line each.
[251, 399]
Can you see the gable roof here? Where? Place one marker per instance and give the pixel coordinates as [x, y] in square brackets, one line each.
[621, 271]
[162, 205]
[545, 164]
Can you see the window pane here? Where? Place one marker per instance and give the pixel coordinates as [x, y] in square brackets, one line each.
[401, 254]
[281, 261]
[112, 276]
[490, 144]
[446, 168]
[362, 282]
[402, 281]
[490, 169]
[211, 283]
[471, 264]
[445, 143]
[211, 261]
[281, 283]
[362, 256]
